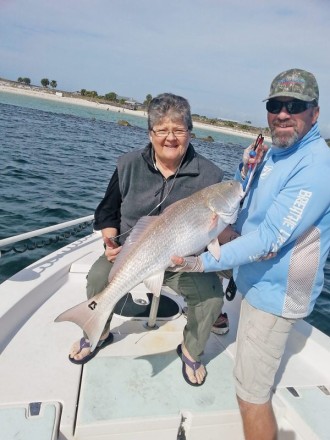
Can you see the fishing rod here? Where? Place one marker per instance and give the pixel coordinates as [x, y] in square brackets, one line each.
[252, 166]
[231, 287]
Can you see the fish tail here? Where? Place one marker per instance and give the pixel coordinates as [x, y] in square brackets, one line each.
[89, 319]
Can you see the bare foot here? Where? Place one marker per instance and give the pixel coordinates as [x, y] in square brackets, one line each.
[79, 354]
[197, 376]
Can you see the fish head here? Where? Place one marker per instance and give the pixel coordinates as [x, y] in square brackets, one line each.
[224, 199]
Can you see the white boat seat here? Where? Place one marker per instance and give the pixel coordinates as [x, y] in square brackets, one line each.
[85, 263]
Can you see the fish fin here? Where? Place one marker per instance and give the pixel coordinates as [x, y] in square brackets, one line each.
[139, 228]
[155, 283]
[89, 319]
[214, 221]
[214, 248]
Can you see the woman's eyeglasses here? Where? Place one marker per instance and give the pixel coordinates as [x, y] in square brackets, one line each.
[164, 133]
[292, 107]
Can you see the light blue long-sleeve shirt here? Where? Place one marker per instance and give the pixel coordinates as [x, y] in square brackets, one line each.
[287, 211]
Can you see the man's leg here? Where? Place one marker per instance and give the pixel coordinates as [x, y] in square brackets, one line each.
[259, 421]
[261, 340]
[97, 280]
[204, 296]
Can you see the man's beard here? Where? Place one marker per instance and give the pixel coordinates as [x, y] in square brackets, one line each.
[283, 141]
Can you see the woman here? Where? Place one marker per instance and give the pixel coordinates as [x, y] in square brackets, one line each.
[145, 182]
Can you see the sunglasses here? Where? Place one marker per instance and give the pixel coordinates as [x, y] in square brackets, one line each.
[292, 107]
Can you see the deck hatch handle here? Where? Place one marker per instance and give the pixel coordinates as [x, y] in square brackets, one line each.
[324, 390]
[293, 391]
[34, 408]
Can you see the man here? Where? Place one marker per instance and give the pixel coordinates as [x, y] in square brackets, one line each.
[286, 214]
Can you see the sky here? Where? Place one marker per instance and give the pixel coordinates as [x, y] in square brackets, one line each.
[219, 54]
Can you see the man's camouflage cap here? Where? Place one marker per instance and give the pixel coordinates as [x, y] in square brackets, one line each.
[295, 83]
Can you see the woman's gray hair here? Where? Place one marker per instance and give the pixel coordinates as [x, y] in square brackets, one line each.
[171, 106]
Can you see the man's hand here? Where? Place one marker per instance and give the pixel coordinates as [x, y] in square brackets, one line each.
[249, 160]
[186, 264]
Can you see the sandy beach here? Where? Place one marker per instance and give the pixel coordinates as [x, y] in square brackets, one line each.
[57, 96]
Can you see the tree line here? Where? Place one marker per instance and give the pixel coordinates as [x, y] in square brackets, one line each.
[44, 82]
[113, 98]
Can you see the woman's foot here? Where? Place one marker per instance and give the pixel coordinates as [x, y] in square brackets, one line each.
[193, 372]
[80, 351]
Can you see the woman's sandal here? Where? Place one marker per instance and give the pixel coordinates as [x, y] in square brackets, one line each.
[84, 343]
[193, 365]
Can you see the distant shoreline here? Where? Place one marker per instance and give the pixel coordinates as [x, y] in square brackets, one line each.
[51, 95]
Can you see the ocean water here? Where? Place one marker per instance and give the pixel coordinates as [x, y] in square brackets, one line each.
[56, 162]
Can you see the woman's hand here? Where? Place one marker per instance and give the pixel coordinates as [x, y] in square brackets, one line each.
[112, 249]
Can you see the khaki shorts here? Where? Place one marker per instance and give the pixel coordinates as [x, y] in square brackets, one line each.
[260, 343]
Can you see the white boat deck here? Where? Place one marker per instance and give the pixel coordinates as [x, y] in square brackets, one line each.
[134, 389]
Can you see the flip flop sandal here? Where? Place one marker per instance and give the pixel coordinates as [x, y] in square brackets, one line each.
[86, 344]
[193, 365]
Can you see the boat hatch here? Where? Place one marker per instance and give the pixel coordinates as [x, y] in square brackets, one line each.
[143, 397]
[34, 420]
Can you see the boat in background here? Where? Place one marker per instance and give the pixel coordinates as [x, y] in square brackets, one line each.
[133, 389]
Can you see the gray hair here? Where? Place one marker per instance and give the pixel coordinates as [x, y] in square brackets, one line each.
[171, 106]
